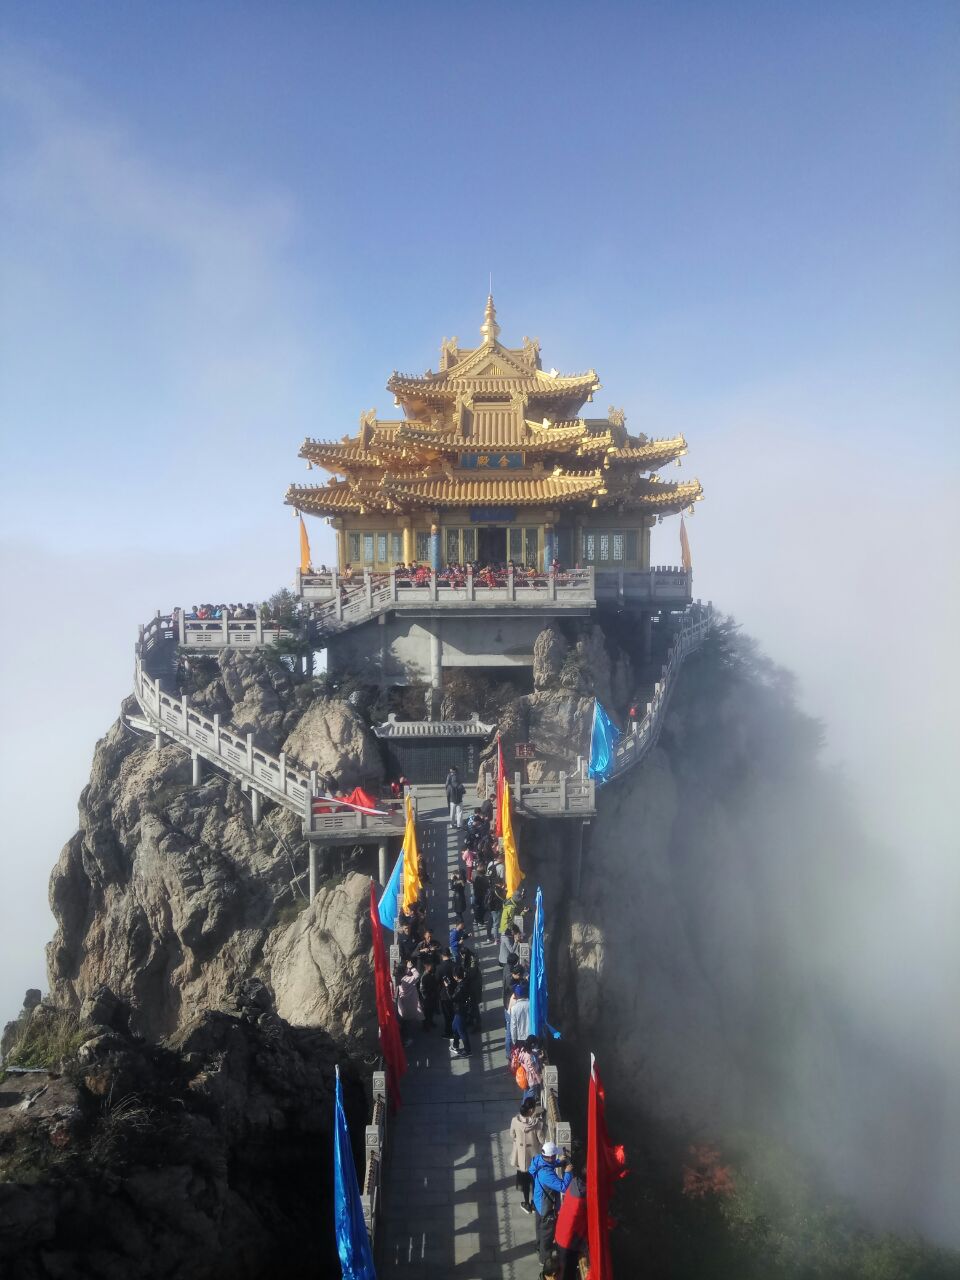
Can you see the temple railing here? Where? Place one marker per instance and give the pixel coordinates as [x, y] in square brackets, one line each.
[338, 823]
[270, 776]
[656, 586]
[569, 796]
[375, 1142]
[660, 584]
[234, 633]
[351, 599]
[642, 737]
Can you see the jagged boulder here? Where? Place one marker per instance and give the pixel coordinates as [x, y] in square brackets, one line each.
[320, 963]
[550, 651]
[331, 738]
[196, 1158]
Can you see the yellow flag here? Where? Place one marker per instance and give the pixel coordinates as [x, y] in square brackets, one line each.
[305, 561]
[511, 863]
[411, 861]
[685, 547]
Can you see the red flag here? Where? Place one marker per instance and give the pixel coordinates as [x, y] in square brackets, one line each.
[605, 1164]
[391, 1043]
[498, 811]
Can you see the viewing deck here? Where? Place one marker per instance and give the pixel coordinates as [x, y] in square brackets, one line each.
[574, 589]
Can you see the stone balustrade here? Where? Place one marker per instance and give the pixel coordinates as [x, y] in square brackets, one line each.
[375, 1142]
[655, 587]
[633, 745]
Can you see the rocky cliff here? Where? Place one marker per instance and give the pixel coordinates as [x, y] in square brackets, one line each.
[199, 1157]
[169, 894]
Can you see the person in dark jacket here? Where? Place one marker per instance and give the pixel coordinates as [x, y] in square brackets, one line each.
[460, 1045]
[481, 909]
[458, 894]
[455, 791]
[429, 994]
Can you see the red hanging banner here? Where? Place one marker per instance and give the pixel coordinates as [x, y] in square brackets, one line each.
[605, 1164]
[391, 1043]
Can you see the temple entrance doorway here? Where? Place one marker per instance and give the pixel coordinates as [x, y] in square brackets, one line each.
[491, 545]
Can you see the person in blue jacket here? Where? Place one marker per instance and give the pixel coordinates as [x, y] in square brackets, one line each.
[551, 1177]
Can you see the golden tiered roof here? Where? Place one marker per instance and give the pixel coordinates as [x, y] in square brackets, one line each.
[492, 410]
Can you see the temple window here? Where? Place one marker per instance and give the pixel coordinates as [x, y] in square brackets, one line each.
[423, 547]
[618, 546]
[396, 554]
[604, 546]
[532, 549]
[368, 548]
[353, 549]
[469, 545]
[453, 546]
[382, 547]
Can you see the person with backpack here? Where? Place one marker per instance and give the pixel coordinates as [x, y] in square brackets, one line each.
[519, 1009]
[550, 1180]
[528, 1128]
[455, 792]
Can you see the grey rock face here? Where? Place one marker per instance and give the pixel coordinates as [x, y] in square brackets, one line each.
[168, 894]
[549, 651]
[331, 737]
[196, 1158]
[320, 967]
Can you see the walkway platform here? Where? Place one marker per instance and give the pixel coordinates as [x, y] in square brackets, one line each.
[451, 1208]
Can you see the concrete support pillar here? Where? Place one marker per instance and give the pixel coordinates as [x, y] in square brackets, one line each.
[436, 671]
[382, 862]
[646, 628]
[254, 805]
[197, 768]
[313, 871]
[158, 740]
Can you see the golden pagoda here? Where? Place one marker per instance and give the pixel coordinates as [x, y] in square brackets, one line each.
[491, 462]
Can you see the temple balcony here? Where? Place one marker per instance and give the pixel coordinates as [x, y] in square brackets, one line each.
[577, 590]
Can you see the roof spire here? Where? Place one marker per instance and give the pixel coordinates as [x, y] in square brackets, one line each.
[490, 328]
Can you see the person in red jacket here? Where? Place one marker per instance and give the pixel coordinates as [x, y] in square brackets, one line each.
[570, 1236]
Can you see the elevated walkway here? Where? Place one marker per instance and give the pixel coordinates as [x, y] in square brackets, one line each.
[167, 713]
[449, 1203]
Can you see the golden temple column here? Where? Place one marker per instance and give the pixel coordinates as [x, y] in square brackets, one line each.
[408, 544]
[341, 544]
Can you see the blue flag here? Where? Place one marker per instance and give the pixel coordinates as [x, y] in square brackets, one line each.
[603, 740]
[353, 1243]
[538, 976]
[389, 907]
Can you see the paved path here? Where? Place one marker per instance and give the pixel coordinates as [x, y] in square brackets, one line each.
[451, 1204]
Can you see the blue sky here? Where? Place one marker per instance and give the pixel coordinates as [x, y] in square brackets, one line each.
[223, 225]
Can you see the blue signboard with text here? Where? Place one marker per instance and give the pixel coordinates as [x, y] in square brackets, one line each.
[492, 461]
[493, 515]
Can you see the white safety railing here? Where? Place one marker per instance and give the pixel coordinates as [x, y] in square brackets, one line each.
[233, 633]
[567, 797]
[329, 819]
[376, 1150]
[271, 776]
[634, 745]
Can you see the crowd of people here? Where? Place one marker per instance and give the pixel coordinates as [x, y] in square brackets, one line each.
[439, 990]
